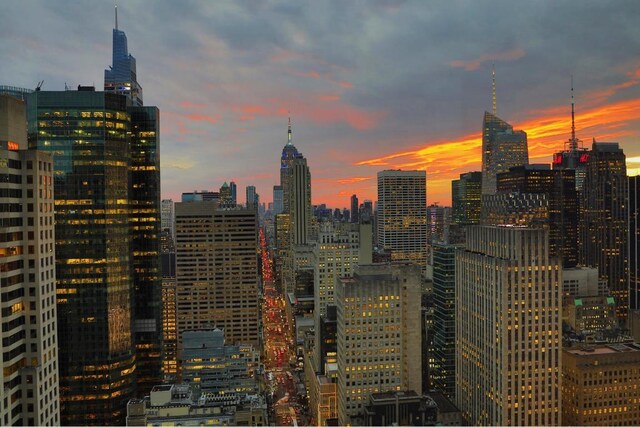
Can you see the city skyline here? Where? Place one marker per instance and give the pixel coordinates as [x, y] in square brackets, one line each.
[381, 86]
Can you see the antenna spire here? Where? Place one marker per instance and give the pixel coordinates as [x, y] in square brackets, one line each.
[289, 133]
[116, 16]
[493, 89]
[574, 142]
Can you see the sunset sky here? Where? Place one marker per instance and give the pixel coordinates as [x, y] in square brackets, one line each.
[369, 85]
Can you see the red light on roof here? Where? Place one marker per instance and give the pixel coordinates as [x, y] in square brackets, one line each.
[584, 158]
[557, 159]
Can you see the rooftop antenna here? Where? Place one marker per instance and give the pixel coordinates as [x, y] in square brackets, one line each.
[40, 83]
[493, 89]
[573, 144]
[116, 16]
[289, 136]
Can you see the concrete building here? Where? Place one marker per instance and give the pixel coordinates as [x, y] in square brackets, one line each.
[508, 343]
[378, 334]
[600, 385]
[29, 375]
[173, 405]
[167, 217]
[402, 215]
[581, 282]
[215, 368]
[591, 314]
[217, 271]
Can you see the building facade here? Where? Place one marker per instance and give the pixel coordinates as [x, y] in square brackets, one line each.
[217, 271]
[604, 220]
[29, 376]
[508, 326]
[378, 335]
[465, 199]
[402, 215]
[634, 242]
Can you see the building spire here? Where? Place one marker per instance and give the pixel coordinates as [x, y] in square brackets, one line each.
[574, 142]
[289, 133]
[116, 16]
[493, 89]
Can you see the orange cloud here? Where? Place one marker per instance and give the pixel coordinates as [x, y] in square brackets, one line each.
[474, 64]
[345, 84]
[192, 105]
[354, 179]
[329, 98]
[203, 118]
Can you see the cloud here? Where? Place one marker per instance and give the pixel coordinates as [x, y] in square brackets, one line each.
[474, 64]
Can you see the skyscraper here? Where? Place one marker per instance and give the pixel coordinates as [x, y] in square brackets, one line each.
[442, 372]
[121, 76]
[289, 152]
[465, 198]
[278, 203]
[234, 193]
[217, 270]
[402, 215]
[251, 196]
[508, 325]
[354, 208]
[438, 222]
[562, 204]
[634, 242]
[604, 216]
[145, 227]
[30, 391]
[502, 148]
[300, 200]
[88, 133]
[378, 334]
[167, 217]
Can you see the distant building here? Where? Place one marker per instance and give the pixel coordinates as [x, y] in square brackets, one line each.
[508, 325]
[604, 243]
[278, 204]
[438, 223]
[600, 385]
[167, 217]
[465, 199]
[400, 408]
[251, 196]
[502, 148]
[591, 314]
[354, 208]
[217, 271]
[233, 189]
[634, 242]
[402, 215]
[378, 310]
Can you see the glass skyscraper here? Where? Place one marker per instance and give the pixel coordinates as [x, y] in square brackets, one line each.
[86, 131]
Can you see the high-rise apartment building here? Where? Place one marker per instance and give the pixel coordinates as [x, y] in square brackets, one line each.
[354, 208]
[88, 133]
[600, 385]
[443, 357]
[604, 220]
[217, 271]
[402, 215]
[378, 334]
[561, 200]
[508, 328]
[465, 199]
[502, 148]
[29, 376]
[121, 77]
[634, 242]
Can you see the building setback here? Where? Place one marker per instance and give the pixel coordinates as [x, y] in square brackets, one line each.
[508, 299]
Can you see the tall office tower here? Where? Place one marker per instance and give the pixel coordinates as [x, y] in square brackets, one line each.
[604, 220]
[251, 196]
[88, 133]
[121, 76]
[502, 148]
[634, 242]
[573, 156]
[217, 271]
[278, 206]
[354, 208]
[465, 199]
[284, 256]
[378, 337]
[29, 376]
[145, 227]
[366, 210]
[562, 204]
[402, 215]
[233, 187]
[442, 372]
[300, 201]
[438, 222]
[508, 325]
[167, 217]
